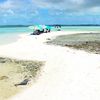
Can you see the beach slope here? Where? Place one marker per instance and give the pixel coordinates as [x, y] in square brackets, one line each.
[68, 73]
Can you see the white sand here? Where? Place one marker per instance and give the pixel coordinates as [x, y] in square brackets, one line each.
[67, 75]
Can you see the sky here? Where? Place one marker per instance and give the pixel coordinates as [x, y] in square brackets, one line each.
[30, 12]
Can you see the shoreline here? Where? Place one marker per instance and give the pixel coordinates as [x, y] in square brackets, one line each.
[31, 44]
[9, 38]
[67, 74]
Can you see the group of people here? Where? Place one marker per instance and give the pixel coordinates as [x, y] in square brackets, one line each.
[41, 29]
[58, 27]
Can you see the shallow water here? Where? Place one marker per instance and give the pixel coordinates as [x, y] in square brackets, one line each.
[10, 34]
[81, 28]
[78, 28]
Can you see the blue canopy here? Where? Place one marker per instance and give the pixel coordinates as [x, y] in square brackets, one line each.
[40, 27]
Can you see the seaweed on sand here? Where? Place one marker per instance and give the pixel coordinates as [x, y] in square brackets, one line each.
[13, 71]
[89, 42]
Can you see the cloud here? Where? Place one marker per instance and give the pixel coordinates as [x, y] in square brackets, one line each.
[6, 5]
[58, 4]
[69, 6]
[17, 7]
[29, 9]
[65, 6]
[93, 3]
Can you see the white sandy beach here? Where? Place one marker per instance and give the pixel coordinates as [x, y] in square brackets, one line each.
[67, 75]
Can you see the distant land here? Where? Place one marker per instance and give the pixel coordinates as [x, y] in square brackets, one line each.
[3, 26]
[77, 25]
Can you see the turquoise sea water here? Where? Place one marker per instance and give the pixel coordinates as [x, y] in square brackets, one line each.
[11, 30]
[79, 28]
[10, 34]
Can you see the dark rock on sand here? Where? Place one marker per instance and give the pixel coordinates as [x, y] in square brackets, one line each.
[48, 39]
[37, 32]
[2, 60]
[3, 77]
[24, 82]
